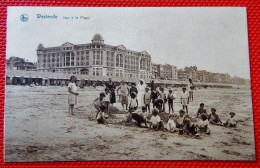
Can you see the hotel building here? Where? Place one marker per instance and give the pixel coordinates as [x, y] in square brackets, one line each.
[95, 58]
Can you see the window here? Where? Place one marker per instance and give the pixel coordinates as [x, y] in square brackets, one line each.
[117, 60]
[98, 60]
[87, 60]
[94, 60]
[121, 60]
[94, 71]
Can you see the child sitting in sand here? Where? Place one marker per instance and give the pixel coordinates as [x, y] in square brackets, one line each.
[155, 122]
[203, 124]
[170, 98]
[184, 99]
[231, 122]
[201, 110]
[180, 119]
[140, 117]
[171, 125]
[133, 104]
[214, 118]
[101, 115]
[189, 128]
[72, 97]
[129, 115]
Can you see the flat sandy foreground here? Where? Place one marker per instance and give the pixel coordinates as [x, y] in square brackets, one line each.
[38, 128]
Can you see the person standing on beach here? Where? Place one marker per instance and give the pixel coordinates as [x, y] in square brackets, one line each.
[147, 99]
[162, 96]
[141, 90]
[190, 89]
[107, 99]
[153, 87]
[124, 92]
[72, 96]
[154, 95]
[184, 99]
[133, 89]
[170, 99]
[111, 87]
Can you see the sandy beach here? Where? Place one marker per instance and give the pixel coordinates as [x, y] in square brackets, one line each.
[38, 128]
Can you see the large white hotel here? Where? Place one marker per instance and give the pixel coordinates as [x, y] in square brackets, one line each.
[95, 58]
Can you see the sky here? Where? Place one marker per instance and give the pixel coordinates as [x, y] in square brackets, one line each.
[212, 38]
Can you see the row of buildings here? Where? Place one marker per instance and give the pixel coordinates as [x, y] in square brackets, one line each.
[99, 59]
[196, 75]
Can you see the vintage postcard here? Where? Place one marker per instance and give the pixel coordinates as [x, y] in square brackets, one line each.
[86, 83]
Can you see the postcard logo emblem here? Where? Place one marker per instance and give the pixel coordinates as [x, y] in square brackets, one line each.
[24, 17]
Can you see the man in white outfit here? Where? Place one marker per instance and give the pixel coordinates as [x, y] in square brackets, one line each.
[141, 90]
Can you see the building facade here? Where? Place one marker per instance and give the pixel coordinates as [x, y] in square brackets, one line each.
[166, 71]
[95, 58]
[182, 75]
[16, 63]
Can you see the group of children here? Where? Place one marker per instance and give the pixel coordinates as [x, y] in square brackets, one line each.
[176, 123]
[213, 118]
[181, 123]
[162, 98]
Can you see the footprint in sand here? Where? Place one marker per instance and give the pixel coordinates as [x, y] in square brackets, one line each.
[163, 136]
[31, 149]
[70, 128]
[231, 152]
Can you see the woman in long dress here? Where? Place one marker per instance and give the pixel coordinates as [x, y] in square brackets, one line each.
[141, 90]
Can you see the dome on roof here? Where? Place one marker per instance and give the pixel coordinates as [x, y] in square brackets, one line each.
[97, 38]
[40, 46]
